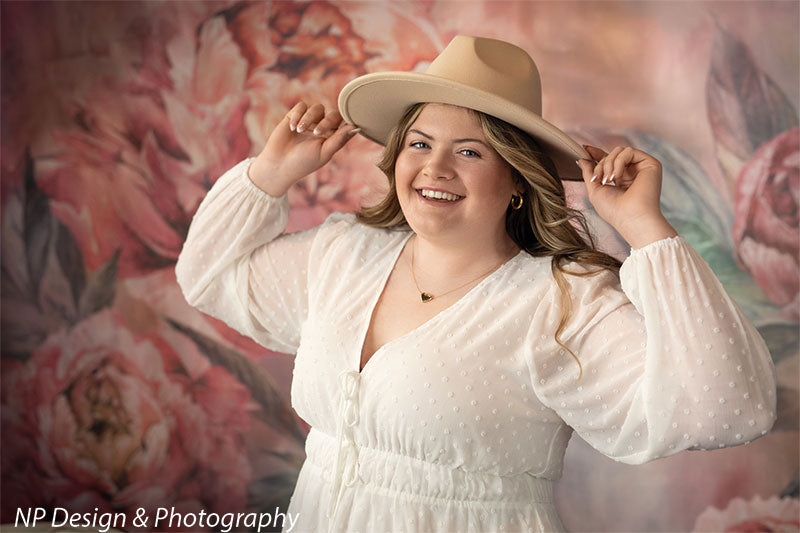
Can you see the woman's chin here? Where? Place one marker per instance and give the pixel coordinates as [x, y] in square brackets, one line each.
[430, 229]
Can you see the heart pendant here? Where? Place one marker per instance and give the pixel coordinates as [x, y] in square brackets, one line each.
[425, 297]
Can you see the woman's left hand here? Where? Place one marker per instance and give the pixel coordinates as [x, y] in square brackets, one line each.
[624, 186]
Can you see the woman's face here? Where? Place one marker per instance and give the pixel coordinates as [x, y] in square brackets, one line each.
[451, 183]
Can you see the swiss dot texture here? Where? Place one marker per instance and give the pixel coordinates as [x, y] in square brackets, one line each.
[462, 424]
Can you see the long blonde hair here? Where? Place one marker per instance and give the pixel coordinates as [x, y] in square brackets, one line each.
[545, 226]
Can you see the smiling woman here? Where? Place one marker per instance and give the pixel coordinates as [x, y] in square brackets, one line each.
[446, 153]
[433, 331]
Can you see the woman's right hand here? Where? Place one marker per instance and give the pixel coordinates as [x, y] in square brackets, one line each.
[304, 141]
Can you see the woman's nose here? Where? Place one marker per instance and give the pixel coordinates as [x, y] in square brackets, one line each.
[439, 165]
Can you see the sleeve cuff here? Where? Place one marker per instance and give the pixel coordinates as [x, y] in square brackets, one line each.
[661, 244]
[246, 164]
[647, 261]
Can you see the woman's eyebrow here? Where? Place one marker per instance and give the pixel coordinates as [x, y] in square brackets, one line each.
[455, 141]
[468, 140]
[418, 132]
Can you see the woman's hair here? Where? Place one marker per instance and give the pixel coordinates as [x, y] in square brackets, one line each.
[544, 226]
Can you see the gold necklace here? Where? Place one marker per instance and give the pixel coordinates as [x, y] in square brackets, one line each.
[426, 296]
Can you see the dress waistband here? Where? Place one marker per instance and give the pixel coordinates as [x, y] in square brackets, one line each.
[417, 479]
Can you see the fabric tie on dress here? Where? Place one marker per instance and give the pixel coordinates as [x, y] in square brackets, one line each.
[346, 447]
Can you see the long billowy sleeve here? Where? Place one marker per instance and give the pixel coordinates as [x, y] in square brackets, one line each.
[669, 361]
[236, 266]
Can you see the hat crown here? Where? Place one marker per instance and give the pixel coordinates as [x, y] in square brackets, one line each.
[496, 67]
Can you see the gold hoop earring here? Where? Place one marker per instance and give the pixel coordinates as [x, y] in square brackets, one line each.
[516, 202]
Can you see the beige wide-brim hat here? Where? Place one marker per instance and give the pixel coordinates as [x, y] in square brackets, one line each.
[495, 77]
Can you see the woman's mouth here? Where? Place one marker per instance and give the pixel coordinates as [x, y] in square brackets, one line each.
[430, 194]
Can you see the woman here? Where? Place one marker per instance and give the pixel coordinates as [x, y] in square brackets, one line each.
[451, 338]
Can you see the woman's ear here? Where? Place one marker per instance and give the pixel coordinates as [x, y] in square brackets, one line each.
[519, 182]
[519, 185]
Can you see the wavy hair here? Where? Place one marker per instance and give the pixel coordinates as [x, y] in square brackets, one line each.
[544, 226]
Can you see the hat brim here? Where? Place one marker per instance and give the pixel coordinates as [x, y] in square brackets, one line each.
[375, 102]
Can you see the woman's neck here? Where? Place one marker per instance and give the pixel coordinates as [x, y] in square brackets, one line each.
[440, 259]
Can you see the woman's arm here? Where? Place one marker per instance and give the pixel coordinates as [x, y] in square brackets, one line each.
[669, 360]
[669, 364]
[233, 265]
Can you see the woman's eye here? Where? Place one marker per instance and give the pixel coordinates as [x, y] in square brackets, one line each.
[418, 144]
[470, 153]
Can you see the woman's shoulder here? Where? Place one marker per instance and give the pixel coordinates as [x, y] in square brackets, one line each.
[582, 280]
[344, 229]
[338, 222]
[529, 262]
[342, 246]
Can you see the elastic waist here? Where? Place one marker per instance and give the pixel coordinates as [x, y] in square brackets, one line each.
[417, 479]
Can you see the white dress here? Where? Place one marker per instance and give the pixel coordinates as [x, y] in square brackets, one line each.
[461, 424]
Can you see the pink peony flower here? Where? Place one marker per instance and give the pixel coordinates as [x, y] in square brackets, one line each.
[103, 417]
[740, 516]
[142, 147]
[308, 42]
[766, 221]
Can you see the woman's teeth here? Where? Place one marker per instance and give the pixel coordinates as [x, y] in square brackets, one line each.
[439, 195]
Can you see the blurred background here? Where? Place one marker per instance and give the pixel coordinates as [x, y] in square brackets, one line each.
[117, 117]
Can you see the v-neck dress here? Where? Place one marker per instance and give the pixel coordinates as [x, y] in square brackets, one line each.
[462, 424]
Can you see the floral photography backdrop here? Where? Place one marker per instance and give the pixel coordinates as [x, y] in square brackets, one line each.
[117, 117]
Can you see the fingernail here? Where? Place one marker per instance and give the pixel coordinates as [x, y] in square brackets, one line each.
[316, 131]
[604, 180]
[300, 128]
[353, 132]
[593, 178]
[612, 177]
[291, 127]
[612, 183]
[578, 162]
